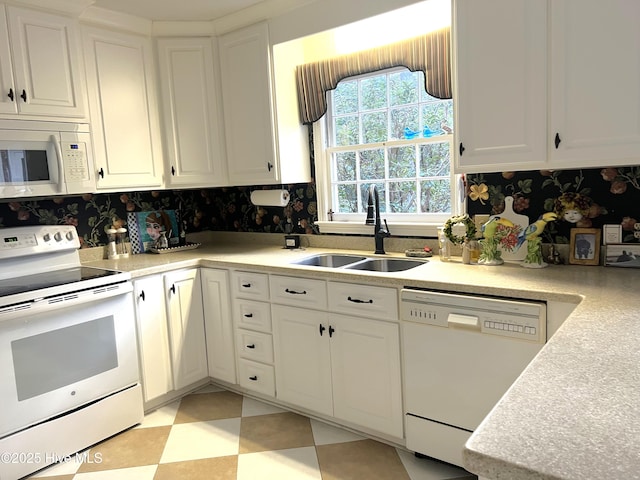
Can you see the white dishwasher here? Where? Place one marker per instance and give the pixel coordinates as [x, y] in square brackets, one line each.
[461, 354]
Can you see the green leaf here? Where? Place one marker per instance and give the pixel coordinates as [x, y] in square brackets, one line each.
[549, 203]
[525, 185]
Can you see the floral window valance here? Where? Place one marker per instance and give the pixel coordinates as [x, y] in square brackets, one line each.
[429, 54]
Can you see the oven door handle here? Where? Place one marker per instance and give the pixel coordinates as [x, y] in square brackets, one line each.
[60, 162]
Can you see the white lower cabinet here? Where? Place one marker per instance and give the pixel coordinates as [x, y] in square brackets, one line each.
[326, 353]
[186, 327]
[302, 358]
[218, 322]
[170, 329]
[153, 337]
[253, 339]
[342, 365]
[365, 360]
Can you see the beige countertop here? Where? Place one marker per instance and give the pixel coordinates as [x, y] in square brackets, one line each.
[575, 411]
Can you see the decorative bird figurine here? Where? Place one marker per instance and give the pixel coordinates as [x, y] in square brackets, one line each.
[536, 228]
[409, 134]
[489, 228]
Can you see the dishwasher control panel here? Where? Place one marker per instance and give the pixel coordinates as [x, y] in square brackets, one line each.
[521, 319]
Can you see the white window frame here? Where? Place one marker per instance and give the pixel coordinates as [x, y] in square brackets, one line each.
[421, 225]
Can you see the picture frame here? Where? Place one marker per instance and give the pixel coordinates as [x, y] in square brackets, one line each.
[622, 255]
[585, 246]
[144, 228]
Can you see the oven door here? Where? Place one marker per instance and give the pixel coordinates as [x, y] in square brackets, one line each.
[61, 358]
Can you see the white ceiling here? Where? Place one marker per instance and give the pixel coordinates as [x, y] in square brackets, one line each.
[177, 9]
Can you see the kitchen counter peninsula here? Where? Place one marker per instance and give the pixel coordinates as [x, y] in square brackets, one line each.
[574, 413]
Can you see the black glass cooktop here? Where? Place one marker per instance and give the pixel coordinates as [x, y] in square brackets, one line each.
[30, 283]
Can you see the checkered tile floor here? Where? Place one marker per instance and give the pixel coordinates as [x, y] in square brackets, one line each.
[218, 435]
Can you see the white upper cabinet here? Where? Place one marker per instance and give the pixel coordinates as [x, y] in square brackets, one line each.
[40, 73]
[506, 53]
[595, 86]
[248, 117]
[123, 108]
[500, 84]
[254, 152]
[191, 112]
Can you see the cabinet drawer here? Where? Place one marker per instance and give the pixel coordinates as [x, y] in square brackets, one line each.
[256, 376]
[250, 285]
[298, 291]
[254, 346]
[364, 300]
[253, 315]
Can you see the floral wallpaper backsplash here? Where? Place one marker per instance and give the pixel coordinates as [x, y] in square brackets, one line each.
[588, 198]
[582, 198]
[228, 209]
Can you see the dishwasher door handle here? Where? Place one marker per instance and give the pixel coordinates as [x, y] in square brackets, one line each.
[468, 321]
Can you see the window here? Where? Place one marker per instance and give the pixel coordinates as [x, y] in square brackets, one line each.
[383, 128]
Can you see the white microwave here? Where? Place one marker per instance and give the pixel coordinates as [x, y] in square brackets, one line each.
[45, 159]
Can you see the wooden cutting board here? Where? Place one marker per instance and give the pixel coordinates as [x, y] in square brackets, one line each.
[517, 219]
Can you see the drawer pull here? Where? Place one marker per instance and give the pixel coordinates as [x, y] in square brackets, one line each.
[357, 300]
[251, 345]
[248, 315]
[246, 285]
[254, 378]
[293, 292]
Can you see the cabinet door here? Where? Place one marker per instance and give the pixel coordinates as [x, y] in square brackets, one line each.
[595, 99]
[218, 321]
[191, 112]
[302, 358]
[46, 61]
[365, 361]
[124, 117]
[500, 78]
[186, 327]
[153, 337]
[7, 87]
[245, 65]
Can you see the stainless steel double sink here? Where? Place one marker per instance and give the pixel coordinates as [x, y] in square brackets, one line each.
[358, 262]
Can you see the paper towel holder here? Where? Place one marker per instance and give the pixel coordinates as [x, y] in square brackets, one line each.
[265, 198]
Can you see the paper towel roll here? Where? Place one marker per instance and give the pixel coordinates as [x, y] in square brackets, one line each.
[276, 198]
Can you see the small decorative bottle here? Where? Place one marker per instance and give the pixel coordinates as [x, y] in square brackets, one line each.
[112, 251]
[474, 251]
[121, 246]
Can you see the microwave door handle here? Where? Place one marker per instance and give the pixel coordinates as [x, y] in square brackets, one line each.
[60, 162]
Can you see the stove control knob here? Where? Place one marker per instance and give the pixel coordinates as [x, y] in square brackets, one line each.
[69, 236]
[46, 237]
[58, 236]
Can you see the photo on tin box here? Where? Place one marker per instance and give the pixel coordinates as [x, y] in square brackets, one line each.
[622, 255]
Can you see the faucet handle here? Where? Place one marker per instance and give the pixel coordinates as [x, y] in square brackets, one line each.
[386, 228]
